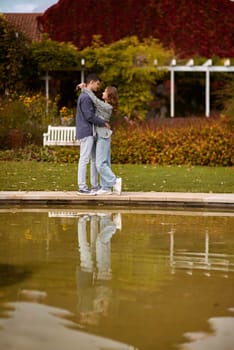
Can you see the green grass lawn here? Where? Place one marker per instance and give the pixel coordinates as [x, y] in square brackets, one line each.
[42, 176]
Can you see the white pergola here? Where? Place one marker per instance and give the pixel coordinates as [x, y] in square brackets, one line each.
[206, 67]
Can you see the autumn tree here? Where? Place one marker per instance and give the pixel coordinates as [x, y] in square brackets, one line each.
[200, 28]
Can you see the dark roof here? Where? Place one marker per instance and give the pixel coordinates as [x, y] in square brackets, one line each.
[26, 23]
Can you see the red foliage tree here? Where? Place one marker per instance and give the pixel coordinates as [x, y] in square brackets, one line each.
[190, 27]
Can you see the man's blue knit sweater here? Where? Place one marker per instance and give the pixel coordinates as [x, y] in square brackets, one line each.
[86, 117]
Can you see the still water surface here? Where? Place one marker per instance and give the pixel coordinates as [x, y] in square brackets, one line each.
[116, 280]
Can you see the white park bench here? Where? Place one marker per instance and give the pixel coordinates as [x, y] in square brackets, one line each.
[60, 136]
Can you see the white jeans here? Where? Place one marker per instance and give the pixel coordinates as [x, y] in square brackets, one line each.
[87, 153]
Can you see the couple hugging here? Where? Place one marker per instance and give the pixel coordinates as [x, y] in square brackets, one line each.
[94, 133]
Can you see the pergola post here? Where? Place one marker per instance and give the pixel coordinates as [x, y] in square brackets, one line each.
[207, 93]
[82, 70]
[172, 90]
[206, 67]
[47, 78]
[172, 98]
[47, 92]
[207, 101]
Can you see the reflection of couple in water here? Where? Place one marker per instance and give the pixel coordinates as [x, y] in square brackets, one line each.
[94, 239]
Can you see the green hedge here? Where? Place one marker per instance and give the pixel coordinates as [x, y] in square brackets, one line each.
[208, 143]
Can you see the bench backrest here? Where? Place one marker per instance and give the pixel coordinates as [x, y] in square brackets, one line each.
[60, 136]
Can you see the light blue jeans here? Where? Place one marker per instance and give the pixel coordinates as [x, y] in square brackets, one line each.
[107, 177]
[87, 153]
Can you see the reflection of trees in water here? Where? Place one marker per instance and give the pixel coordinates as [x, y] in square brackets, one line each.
[29, 226]
[125, 289]
[12, 274]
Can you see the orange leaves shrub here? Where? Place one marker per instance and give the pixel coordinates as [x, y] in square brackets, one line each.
[207, 143]
[185, 141]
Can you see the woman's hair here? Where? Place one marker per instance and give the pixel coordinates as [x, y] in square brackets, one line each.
[112, 97]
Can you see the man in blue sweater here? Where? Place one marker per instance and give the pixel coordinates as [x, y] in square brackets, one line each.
[86, 119]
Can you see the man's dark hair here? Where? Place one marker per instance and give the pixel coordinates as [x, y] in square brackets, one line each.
[92, 76]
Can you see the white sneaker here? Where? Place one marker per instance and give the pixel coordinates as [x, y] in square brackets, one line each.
[117, 188]
[102, 191]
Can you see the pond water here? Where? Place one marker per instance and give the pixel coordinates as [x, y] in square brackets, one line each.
[115, 280]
